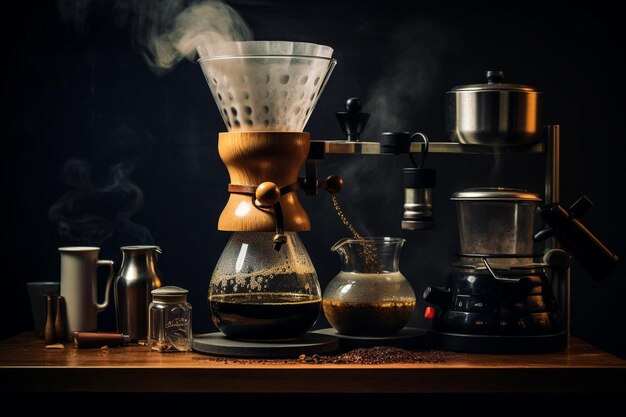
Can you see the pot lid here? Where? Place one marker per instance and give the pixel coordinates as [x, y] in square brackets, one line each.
[494, 194]
[495, 82]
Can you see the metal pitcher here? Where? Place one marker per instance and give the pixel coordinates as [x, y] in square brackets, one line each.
[138, 276]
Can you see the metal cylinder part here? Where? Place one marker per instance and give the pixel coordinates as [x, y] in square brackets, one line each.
[418, 209]
[418, 198]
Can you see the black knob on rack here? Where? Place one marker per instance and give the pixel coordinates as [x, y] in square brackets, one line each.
[352, 121]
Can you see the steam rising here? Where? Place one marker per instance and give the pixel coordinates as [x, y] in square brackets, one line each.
[408, 81]
[166, 31]
[409, 78]
[88, 214]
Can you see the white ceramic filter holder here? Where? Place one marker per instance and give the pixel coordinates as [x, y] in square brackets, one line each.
[266, 86]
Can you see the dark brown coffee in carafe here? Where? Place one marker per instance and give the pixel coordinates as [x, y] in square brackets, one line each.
[264, 316]
[368, 319]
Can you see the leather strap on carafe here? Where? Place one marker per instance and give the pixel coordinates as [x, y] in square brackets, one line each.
[279, 238]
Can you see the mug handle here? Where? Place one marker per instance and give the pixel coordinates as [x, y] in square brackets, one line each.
[102, 262]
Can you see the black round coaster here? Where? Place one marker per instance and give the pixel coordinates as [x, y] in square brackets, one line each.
[409, 337]
[218, 344]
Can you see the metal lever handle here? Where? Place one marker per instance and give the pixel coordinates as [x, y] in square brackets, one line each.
[493, 274]
[544, 234]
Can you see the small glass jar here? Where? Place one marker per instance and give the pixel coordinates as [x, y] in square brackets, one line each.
[169, 320]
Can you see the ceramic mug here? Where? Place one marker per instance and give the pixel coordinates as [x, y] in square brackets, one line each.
[79, 287]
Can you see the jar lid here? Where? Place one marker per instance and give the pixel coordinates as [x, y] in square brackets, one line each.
[494, 194]
[495, 82]
[170, 293]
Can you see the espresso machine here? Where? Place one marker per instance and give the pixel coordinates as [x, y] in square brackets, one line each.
[502, 294]
[498, 295]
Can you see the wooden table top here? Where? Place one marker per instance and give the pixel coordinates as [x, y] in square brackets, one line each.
[26, 366]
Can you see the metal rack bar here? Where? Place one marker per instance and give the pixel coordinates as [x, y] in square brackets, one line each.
[323, 147]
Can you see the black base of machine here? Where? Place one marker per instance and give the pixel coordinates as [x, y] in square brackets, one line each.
[496, 304]
[457, 342]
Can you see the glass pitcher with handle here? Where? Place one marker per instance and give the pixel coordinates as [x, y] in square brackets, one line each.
[369, 296]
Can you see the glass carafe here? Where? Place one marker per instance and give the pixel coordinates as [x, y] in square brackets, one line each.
[258, 293]
[370, 296]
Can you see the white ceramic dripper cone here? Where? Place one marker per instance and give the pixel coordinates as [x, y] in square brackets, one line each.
[266, 85]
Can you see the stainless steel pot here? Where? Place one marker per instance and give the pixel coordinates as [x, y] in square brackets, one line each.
[494, 113]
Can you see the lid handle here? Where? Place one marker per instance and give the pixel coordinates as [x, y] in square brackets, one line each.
[494, 77]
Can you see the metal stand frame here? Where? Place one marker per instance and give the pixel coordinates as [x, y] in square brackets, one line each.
[553, 195]
[550, 148]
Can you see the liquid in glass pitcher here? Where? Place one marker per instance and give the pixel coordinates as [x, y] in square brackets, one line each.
[370, 296]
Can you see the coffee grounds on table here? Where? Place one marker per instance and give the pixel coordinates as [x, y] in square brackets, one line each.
[377, 355]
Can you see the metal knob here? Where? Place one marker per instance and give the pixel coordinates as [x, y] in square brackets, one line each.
[333, 184]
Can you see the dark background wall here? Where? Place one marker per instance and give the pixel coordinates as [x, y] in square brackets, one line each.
[85, 95]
